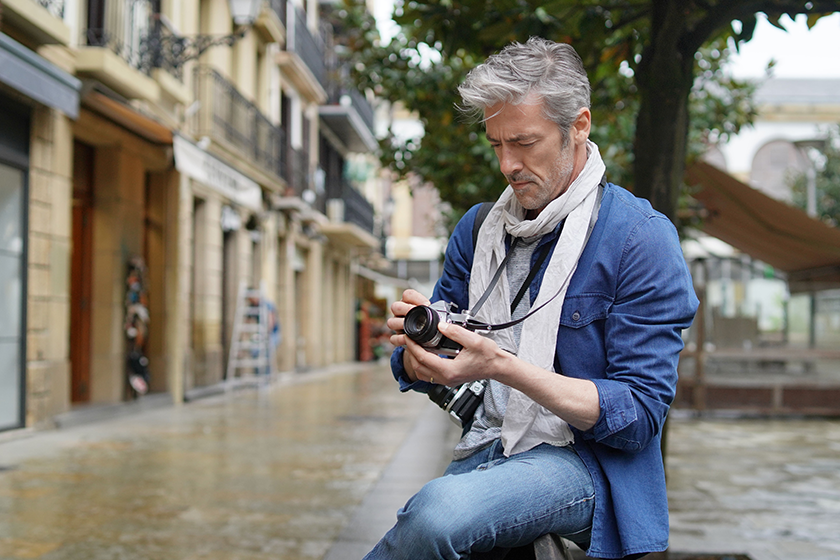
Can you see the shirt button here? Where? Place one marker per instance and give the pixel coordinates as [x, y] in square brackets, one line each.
[576, 316]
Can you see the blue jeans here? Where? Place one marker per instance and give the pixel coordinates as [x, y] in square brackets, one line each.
[489, 501]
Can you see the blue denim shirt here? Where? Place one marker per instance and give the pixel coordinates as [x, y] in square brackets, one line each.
[621, 327]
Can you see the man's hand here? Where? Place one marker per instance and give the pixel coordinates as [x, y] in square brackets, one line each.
[410, 299]
[478, 358]
[574, 400]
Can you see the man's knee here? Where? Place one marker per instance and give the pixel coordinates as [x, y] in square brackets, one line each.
[437, 506]
[437, 517]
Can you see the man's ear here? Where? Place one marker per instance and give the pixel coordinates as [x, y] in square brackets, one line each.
[581, 127]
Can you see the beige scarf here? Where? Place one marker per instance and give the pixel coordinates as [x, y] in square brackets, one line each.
[526, 423]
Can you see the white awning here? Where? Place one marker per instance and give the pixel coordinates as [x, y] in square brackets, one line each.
[216, 174]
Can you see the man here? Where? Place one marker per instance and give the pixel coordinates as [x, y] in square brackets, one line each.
[567, 438]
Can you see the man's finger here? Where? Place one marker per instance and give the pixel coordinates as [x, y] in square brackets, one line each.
[395, 323]
[458, 333]
[414, 297]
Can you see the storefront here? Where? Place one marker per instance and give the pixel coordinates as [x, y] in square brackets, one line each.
[223, 248]
[14, 164]
[36, 101]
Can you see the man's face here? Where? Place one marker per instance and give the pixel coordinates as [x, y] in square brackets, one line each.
[531, 154]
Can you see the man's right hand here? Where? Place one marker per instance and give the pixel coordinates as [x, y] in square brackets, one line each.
[410, 299]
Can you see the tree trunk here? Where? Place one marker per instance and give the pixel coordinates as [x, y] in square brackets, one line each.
[664, 78]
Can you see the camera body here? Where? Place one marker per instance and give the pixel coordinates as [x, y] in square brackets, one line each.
[461, 401]
[421, 322]
[421, 326]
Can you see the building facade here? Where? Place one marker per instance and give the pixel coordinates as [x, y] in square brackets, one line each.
[193, 151]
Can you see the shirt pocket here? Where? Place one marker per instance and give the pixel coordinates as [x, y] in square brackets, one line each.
[582, 310]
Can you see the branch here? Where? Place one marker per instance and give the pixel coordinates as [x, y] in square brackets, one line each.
[643, 12]
[728, 10]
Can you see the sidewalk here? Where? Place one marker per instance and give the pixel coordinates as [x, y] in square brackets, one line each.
[257, 474]
[315, 467]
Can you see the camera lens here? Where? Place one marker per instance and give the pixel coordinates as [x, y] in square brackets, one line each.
[441, 395]
[420, 324]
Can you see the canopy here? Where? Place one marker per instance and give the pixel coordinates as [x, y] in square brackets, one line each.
[784, 237]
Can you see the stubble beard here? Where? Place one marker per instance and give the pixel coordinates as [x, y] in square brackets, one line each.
[541, 193]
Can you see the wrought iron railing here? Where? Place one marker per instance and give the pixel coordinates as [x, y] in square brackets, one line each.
[357, 209]
[226, 114]
[301, 42]
[340, 95]
[165, 49]
[279, 7]
[338, 78]
[362, 106]
[123, 27]
[55, 7]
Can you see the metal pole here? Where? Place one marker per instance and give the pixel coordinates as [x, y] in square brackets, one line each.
[699, 391]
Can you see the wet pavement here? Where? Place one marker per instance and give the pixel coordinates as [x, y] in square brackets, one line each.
[256, 474]
[315, 466]
[766, 487]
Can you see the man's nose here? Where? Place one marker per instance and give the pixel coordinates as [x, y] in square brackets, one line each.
[509, 162]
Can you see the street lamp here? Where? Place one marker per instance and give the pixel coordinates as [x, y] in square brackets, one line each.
[170, 51]
[244, 12]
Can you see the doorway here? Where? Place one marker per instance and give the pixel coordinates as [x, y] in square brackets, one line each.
[12, 295]
[81, 269]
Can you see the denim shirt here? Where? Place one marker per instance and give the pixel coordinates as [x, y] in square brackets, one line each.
[621, 327]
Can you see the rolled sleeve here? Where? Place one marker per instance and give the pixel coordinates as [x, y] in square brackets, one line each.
[398, 370]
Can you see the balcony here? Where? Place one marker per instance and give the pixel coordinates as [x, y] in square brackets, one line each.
[303, 59]
[357, 209]
[115, 51]
[349, 115]
[122, 27]
[351, 218]
[227, 117]
[42, 20]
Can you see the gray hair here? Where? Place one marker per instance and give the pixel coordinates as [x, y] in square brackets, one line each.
[552, 72]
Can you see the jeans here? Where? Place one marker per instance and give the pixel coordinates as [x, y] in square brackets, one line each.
[489, 501]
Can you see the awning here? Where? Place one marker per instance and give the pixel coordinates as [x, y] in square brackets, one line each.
[127, 117]
[37, 78]
[766, 229]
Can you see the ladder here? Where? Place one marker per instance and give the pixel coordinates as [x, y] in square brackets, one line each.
[251, 348]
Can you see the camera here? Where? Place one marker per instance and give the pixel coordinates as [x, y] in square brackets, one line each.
[421, 326]
[460, 402]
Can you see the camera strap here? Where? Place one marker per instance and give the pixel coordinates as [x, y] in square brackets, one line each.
[495, 278]
[478, 325]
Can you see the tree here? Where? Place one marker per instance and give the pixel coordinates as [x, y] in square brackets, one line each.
[642, 56]
[827, 181]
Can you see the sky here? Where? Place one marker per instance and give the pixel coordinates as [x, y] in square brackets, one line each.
[799, 52]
